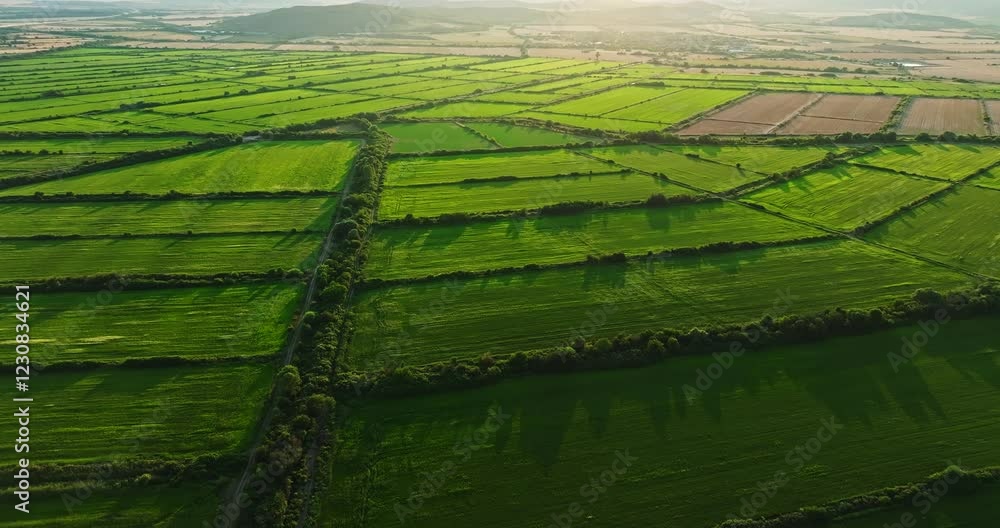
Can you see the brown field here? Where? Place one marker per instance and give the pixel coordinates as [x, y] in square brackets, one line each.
[934, 116]
[714, 126]
[808, 125]
[766, 109]
[874, 108]
[993, 108]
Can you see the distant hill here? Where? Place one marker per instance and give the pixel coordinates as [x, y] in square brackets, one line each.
[902, 21]
[302, 21]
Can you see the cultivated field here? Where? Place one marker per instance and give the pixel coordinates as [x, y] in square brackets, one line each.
[413, 252]
[950, 162]
[166, 217]
[255, 167]
[559, 432]
[461, 168]
[958, 227]
[522, 193]
[844, 197]
[936, 116]
[189, 255]
[674, 293]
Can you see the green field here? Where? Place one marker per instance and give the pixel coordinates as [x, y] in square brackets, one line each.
[844, 197]
[514, 195]
[961, 228]
[951, 162]
[713, 177]
[170, 412]
[697, 453]
[194, 255]
[95, 145]
[406, 252]
[18, 165]
[115, 325]
[429, 137]
[682, 292]
[677, 106]
[953, 510]
[522, 136]
[160, 216]
[765, 160]
[263, 166]
[461, 167]
[594, 123]
[122, 505]
[605, 102]
[990, 178]
[465, 109]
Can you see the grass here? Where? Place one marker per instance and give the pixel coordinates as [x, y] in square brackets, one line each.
[457, 168]
[224, 321]
[96, 144]
[465, 109]
[150, 217]
[169, 412]
[951, 162]
[514, 195]
[765, 160]
[522, 136]
[990, 178]
[406, 252]
[263, 166]
[677, 106]
[195, 255]
[714, 177]
[443, 319]
[958, 227]
[605, 102]
[592, 123]
[429, 137]
[26, 165]
[122, 505]
[953, 510]
[697, 453]
[844, 197]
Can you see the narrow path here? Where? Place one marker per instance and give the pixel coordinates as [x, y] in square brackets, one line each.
[264, 425]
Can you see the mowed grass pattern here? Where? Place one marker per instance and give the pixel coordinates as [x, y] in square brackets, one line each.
[224, 321]
[708, 176]
[844, 197]
[765, 159]
[951, 162]
[697, 452]
[521, 136]
[549, 308]
[451, 169]
[960, 227]
[196, 255]
[178, 411]
[429, 137]
[406, 252]
[263, 166]
[149, 217]
[528, 193]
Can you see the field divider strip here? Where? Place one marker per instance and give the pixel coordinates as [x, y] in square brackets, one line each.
[795, 113]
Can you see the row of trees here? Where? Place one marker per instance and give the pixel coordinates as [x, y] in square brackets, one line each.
[649, 347]
[303, 392]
